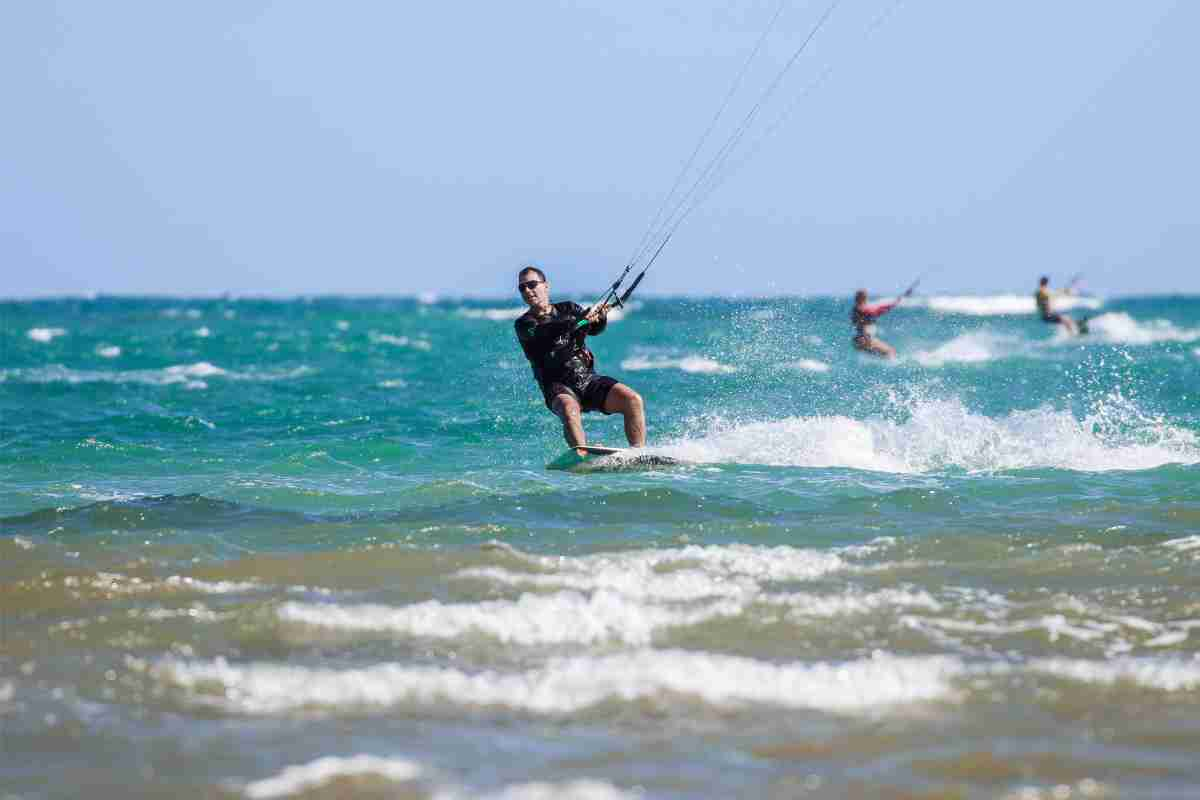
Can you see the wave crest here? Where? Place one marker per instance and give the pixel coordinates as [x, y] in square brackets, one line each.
[944, 434]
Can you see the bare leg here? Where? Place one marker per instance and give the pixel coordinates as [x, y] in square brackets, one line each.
[628, 403]
[875, 347]
[1069, 324]
[566, 407]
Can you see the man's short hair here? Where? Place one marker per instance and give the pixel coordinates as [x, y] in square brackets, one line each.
[1043, 281]
[541, 275]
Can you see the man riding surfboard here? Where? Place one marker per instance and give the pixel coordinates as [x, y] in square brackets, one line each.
[552, 335]
[1043, 299]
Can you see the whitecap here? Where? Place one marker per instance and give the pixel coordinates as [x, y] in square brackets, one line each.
[45, 334]
[191, 375]
[1121, 328]
[944, 434]
[108, 350]
[804, 606]
[563, 617]
[400, 341]
[187, 583]
[304, 777]
[201, 369]
[1185, 544]
[495, 314]
[969, 348]
[567, 685]
[203, 332]
[1166, 674]
[670, 575]
[690, 363]
[807, 365]
[1000, 304]
[582, 789]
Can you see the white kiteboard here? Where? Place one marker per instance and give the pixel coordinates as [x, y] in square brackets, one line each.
[610, 459]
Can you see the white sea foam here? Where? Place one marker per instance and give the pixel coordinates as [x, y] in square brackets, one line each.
[1166, 674]
[807, 364]
[1120, 328]
[108, 350]
[496, 314]
[187, 583]
[628, 598]
[690, 363]
[321, 773]
[566, 685]
[532, 619]
[203, 332]
[1185, 544]
[999, 304]
[829, 606]
[671, 575]
[303, 777]
[583, 789]
[191, 375]
[969, 348]
[944, 434]
[45, 334]
[400, 341]
[176, 313]
[1055, 626]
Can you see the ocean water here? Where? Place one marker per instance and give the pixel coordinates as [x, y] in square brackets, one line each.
[310, 549]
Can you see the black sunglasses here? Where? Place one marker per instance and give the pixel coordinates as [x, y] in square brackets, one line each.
[528, 285]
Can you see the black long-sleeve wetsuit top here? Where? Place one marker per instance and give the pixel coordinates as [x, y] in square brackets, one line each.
[555, 346]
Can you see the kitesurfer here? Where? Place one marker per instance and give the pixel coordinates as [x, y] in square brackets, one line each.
[552, 336]
[1043, 298]
[864, 316]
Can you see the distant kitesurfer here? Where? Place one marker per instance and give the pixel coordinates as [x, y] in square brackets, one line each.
[552, 336]
[863, 317]
[1043, 296]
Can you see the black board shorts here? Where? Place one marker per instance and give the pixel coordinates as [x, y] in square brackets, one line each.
[1056, 318]
[591, 394]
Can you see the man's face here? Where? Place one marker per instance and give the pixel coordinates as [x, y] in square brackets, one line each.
[533, 290]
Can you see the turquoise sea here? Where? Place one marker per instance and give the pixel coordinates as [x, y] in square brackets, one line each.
[309, 548]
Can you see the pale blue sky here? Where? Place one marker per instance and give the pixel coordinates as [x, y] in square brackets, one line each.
[384, 147]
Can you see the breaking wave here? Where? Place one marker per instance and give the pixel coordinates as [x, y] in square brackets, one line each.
[998, 304]
[944, 434]
[1120, 328]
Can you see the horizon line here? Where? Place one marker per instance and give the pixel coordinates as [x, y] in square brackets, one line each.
[431, 298]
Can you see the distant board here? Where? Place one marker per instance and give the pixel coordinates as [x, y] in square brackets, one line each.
[610, 459]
